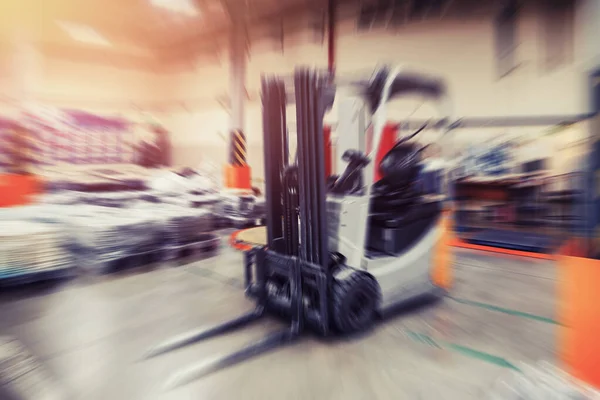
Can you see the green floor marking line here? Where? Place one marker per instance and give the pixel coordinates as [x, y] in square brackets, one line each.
[419, 337]
[489, 358]
[463, 350]
[505, 310]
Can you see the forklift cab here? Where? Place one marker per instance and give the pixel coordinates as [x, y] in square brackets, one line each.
[398, 214]
[396, 211]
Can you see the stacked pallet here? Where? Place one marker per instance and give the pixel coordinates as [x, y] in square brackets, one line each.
[101, 235]
[185, 225]
[241, 211]
[29, 249]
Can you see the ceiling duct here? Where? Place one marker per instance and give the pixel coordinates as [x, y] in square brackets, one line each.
[385, 13]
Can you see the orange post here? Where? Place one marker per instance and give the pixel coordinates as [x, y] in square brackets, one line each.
[237, 177]
[16, 190]
[441, 273]
[579, 314]
[238, 172]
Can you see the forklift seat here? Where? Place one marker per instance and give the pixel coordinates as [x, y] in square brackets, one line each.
[399, 216]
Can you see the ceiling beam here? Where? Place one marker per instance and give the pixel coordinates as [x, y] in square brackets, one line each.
[293, 11]
[296, 16]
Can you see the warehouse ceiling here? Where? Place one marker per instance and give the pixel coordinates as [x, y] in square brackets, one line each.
[99, 30]
[151, 32]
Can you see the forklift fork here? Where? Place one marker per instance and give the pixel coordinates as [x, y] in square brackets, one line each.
[285, 253]
[192, 337]
[268, 343]
[202, 369]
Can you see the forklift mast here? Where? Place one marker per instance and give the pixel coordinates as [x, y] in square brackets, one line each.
[295, 194]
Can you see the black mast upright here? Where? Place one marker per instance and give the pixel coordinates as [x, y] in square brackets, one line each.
[275, 158]
[310, 111]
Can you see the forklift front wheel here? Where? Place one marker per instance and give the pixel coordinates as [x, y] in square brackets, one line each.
[355, 302]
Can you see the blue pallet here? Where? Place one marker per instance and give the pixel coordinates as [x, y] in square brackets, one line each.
[24, 278]
[514, 240]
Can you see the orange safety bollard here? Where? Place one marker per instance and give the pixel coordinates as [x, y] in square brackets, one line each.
[441, 272]
[238, 172]
[578, 313]
[238, 177]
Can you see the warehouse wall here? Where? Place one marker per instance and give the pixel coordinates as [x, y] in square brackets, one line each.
[63, 83]
[460, 50]
[588, 30]
[98, 87]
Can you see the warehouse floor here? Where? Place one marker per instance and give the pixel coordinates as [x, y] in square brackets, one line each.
[92, 333]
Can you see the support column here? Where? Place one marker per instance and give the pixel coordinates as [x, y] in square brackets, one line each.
[237, 173]
[18, 186]
[331, 37]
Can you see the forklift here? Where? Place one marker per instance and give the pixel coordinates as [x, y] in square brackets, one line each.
[342, 251]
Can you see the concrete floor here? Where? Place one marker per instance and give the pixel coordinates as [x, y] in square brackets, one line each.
[91, 335]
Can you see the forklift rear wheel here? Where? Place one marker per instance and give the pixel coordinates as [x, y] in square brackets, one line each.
[355, 302]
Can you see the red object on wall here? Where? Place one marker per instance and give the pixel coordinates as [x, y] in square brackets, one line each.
[17, 190]
[327, 148]
[388, 140]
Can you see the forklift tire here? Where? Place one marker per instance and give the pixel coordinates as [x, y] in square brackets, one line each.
[355, 302]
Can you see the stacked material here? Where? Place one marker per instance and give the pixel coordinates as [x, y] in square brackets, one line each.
[115, 186]
[169, 183]
[92, 178]
[241, 210]
[171, 201]
[542, 381]
[29, 248]
[101, 235]
[118, 199]
[64, 197]
[180, 230]
[112, 229]
[186, 225]
[208, 201]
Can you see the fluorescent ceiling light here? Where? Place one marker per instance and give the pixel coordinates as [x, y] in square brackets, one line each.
[186, 7]
[83, 33]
